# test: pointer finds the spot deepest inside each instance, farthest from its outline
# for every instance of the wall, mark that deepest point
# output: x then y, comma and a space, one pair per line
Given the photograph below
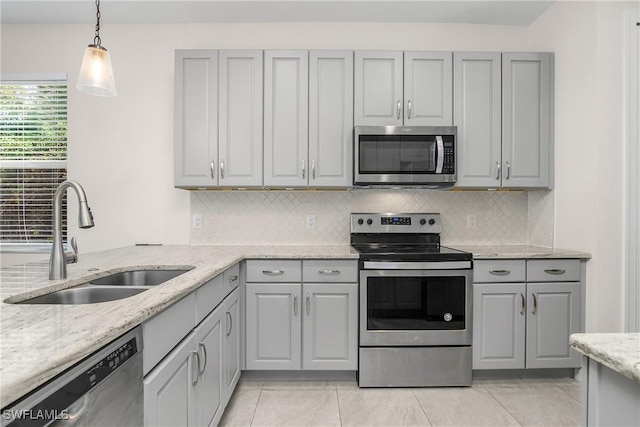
587, 38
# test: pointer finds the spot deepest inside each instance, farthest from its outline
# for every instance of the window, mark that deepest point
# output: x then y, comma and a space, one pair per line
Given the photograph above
33, 159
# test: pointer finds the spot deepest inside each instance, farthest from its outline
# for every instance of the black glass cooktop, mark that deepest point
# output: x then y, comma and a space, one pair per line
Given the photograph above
403, 252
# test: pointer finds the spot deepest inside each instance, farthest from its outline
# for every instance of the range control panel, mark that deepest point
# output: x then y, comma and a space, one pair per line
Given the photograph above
395, 223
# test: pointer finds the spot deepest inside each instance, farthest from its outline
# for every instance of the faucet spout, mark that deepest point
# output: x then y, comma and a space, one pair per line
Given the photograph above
57, 262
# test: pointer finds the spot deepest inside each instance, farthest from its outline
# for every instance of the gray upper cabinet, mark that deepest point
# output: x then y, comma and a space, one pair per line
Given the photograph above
378, 88
240, 118
286, 107
477, 114
527, 93
396, 88
196, 118
428, 89
503, 111
331, 118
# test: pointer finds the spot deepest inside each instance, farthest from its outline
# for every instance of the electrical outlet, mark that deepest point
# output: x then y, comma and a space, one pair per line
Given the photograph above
471, 221
311, 221
196, 221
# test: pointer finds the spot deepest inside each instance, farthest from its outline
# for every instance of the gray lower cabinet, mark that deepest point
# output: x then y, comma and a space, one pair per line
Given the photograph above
525, 325
503, 109
292, 325
232, 343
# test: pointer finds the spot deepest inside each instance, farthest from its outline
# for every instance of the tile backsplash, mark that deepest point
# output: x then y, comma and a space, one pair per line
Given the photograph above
280, 217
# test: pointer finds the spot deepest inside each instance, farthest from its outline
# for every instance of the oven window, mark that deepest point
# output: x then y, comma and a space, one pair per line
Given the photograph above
416, 303
397, 154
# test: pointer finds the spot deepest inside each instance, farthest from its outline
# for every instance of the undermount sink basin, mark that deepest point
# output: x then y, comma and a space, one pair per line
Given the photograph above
109, 288
138, 278
84, 295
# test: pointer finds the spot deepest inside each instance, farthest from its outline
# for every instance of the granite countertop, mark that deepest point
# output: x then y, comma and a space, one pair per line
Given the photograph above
519, 251
38, 341
620, 352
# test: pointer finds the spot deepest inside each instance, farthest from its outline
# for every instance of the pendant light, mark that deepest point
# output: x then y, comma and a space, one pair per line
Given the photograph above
96, 74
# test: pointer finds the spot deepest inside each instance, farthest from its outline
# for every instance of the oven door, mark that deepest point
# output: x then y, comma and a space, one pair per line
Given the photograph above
415, 307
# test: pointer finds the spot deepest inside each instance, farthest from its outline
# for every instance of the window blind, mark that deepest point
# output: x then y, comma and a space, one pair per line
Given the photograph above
33, 158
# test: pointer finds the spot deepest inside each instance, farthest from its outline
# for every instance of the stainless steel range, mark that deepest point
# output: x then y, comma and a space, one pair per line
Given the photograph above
415, 302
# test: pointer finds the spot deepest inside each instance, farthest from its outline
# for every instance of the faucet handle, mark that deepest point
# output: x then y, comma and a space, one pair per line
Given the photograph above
72, 258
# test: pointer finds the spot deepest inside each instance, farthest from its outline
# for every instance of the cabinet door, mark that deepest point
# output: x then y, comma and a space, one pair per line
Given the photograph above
428, 89
527, 93
499, 326
477, 90
330, 326
240, 141
231, 343
553, 315
273, 326
286, 124
168, 389
378, 88
331, 118
209, 388
196, 118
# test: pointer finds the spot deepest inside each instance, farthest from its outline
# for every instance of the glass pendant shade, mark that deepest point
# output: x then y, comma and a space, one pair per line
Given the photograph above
96, 74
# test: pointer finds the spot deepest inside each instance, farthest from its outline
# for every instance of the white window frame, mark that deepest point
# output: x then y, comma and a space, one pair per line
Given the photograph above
37, 247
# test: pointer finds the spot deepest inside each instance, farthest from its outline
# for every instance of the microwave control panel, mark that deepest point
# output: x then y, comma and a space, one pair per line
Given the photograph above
449, 156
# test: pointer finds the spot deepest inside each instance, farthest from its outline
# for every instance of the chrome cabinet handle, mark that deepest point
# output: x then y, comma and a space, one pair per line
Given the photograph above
508, 170
522, 306
329, 272
555, 270
273, 272
222, 169
204, 350
313, 169
399, 110
230, 323
197, 356
308, 304
500, 272
303, 169
498, 167
535, 304
409, 109
295, 304
213, 169
233, 278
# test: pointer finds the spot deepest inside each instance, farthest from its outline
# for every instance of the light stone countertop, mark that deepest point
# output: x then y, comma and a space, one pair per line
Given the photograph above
519, 251
39, 341
620, 352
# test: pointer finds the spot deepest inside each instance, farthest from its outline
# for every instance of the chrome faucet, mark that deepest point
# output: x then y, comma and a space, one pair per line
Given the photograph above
59, 259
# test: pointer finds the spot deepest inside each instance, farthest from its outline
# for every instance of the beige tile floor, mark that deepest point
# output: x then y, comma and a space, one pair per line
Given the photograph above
540, 402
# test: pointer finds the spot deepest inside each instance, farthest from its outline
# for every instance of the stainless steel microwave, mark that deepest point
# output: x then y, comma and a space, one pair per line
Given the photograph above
404, 156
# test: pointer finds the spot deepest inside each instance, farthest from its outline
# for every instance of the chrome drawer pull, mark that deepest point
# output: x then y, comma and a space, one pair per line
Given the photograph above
196, 366
272, 272
295, 304
233, 279
500, 272
522, 304
204, 350
308, 304
230, 323
329, 272
555, 270
535, 304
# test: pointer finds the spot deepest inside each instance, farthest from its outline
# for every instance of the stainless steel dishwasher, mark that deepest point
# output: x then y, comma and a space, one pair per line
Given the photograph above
104, 389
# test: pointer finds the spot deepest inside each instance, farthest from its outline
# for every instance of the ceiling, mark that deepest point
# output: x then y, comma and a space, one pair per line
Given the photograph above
506, 12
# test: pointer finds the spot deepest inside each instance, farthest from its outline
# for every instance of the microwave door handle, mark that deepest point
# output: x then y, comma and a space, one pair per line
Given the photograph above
439, 154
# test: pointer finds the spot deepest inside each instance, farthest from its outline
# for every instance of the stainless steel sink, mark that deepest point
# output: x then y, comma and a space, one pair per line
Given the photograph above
84, 294
138, 278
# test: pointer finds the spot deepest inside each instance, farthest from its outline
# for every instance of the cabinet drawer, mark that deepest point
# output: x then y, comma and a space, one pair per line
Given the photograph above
344, 271
553, 270
274, 271
231, 278
208, 296
164, 331
492, 271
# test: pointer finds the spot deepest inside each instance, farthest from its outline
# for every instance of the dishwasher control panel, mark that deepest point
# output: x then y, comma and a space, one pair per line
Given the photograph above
111, 362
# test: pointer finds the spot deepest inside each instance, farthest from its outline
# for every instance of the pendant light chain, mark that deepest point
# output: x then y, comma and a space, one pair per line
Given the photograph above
96, 39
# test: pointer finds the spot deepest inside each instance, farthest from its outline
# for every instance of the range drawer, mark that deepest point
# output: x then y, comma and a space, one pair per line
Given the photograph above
553, 270
495, 271
280, 271
344, 271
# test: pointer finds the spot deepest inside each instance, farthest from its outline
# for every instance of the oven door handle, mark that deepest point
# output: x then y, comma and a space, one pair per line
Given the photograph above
439, 154
425, 265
